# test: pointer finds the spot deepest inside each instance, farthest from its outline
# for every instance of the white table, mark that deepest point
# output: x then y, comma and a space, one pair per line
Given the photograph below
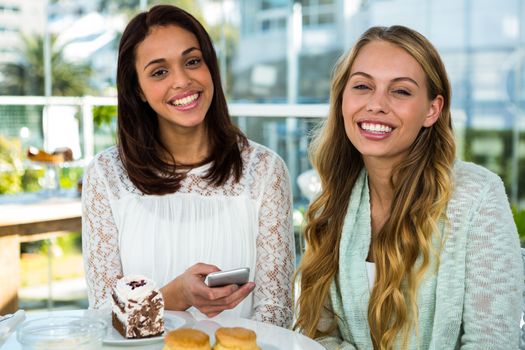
269, 337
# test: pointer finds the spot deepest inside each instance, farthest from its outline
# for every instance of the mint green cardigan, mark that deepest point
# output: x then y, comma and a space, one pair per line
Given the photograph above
472, 301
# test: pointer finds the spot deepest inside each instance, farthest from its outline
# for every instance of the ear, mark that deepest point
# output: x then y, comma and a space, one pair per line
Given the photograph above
434, 111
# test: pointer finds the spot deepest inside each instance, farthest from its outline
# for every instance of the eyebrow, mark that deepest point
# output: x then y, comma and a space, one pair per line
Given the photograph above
162, 60
366, 75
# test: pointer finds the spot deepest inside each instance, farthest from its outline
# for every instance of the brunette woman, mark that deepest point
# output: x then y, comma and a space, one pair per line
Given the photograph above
184, 193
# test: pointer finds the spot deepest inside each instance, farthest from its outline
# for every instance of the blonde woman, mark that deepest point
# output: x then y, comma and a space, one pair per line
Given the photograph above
408, 248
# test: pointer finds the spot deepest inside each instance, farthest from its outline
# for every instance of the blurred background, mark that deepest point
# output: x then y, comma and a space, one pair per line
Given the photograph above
57, 89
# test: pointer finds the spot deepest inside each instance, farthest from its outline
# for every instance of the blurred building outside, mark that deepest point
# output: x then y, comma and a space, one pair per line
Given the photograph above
18, 17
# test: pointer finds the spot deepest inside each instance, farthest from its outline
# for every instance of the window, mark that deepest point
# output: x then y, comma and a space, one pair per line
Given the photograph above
318, 12
269, 4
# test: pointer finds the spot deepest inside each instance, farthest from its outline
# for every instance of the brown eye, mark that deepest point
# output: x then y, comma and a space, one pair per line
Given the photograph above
402, 92
159, 73
194, 62
361, 87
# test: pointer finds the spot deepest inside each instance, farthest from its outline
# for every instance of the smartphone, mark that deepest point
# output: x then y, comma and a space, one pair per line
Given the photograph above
223, 278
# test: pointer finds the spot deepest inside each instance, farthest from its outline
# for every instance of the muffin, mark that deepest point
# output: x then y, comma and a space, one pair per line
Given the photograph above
186, 339
236, 338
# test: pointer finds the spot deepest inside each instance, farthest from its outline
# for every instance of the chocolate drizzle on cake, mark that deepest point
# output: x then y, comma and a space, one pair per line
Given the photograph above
117, 303
136, 284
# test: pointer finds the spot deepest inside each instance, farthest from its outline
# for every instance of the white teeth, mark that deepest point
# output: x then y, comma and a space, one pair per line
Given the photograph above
185, 100
378, 128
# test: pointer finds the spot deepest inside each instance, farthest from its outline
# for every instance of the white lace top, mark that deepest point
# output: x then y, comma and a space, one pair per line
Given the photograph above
248, 223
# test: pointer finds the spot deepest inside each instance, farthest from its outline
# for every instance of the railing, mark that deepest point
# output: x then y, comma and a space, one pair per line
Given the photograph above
293, 141
86, 104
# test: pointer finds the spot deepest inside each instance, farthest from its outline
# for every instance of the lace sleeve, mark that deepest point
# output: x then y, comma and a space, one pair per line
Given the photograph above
275, 249
99, 239
493, 276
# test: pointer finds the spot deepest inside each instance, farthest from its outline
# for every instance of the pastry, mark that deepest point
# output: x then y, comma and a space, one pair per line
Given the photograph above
236, 338
60, 155
38, 155
66, 153
186, 339
137, 308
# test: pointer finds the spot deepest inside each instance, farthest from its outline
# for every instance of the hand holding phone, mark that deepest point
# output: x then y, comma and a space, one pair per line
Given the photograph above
222, 278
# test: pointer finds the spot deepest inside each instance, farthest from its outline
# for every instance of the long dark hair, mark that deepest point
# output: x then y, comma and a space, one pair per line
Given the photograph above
138, 142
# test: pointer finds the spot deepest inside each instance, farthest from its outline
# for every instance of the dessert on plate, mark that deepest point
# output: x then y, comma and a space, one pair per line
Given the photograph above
187, 339
235, 338
60, 155
137, 307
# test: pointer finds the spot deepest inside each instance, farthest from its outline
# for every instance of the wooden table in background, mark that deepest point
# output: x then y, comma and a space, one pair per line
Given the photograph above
27, 217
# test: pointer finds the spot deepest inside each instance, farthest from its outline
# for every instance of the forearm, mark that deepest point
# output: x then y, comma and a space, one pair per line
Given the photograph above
99, 241
275, 251
273, 293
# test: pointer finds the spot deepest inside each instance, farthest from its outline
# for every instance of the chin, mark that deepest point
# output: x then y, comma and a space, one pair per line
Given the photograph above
375, 153
190, 125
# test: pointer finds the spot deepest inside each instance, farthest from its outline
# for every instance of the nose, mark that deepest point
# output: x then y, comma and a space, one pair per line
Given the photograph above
181, 79
377, 103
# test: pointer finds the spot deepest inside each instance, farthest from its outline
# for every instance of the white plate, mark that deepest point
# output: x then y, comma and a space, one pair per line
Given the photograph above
269, 337
171, 322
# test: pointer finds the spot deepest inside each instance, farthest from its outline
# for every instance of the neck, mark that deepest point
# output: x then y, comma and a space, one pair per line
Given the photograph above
187, 147
379, 175
381, 194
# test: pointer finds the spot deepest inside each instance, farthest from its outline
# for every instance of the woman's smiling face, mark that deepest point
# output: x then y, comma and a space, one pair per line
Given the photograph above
385, 102
173, 77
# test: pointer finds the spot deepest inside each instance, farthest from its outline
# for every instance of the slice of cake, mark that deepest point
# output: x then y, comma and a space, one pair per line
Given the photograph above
137, 308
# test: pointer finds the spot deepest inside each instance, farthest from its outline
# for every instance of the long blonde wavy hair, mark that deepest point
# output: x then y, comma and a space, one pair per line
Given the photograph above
422, 186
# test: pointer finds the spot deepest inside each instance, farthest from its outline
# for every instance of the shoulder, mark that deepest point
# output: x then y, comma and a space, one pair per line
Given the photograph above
263, 170
107, 167
470, 172
257, 155
108, 153
476, 190
106, 161
473, 180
